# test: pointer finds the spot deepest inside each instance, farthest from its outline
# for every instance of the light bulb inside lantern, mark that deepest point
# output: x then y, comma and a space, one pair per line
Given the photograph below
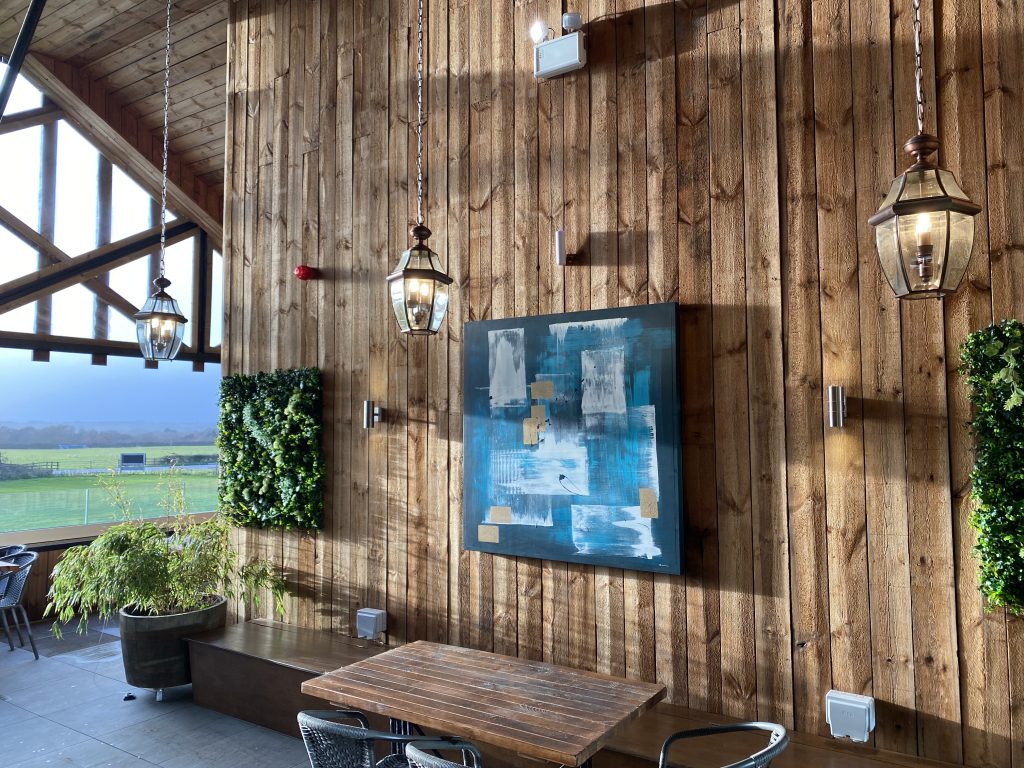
923, 229
538, 32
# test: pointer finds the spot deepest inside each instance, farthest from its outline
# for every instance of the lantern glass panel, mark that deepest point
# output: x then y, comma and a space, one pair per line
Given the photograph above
888, 244
419, 302
921, 184
894, 193
950, 184
398, 302
923, 248
961, 242
440, 306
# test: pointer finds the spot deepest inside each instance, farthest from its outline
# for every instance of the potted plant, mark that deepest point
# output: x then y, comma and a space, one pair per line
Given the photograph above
165, 585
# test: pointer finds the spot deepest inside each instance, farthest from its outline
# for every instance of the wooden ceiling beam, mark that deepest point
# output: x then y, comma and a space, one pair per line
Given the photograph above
30, 118
117, 149
48, 343
30, 237
25, 290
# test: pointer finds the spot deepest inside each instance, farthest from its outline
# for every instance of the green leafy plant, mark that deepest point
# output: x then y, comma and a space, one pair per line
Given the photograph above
991, 361
138, 564
272, 462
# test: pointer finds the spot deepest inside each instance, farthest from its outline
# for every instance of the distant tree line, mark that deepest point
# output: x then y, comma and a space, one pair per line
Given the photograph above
53, 436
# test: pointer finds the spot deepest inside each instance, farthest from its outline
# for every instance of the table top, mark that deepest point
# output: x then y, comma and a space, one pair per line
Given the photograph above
541, 710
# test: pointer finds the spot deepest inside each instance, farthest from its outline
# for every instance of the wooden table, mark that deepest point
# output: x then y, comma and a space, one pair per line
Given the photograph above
540, 710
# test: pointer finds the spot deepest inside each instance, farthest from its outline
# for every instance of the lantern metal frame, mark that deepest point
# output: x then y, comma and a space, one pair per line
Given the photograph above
410, 274
932, 262
160, 309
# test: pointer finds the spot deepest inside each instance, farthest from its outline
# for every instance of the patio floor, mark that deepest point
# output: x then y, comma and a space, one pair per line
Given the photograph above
68, 709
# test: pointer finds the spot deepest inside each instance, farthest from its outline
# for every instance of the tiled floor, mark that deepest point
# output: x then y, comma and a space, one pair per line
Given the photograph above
68, 709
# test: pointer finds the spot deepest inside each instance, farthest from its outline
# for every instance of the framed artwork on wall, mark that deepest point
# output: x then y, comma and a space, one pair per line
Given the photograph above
571, 438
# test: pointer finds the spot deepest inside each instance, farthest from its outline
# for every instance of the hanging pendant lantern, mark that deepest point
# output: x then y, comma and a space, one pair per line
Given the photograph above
159, 325
419, 286
924, 228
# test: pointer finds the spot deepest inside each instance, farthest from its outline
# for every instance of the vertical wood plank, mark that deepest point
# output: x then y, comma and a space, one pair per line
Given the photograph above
805, 470
732, 439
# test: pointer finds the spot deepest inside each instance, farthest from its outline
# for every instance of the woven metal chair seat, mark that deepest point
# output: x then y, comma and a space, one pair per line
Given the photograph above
420, 758
778, 740
334, 744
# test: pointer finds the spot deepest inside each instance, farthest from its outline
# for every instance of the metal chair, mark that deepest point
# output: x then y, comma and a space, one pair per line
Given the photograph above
10, 600
420, 759
332, 744
778, 740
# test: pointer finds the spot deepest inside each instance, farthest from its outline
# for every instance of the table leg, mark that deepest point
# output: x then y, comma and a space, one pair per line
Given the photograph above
399, 728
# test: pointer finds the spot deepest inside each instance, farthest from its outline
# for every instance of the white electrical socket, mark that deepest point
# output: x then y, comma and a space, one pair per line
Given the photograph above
849, 715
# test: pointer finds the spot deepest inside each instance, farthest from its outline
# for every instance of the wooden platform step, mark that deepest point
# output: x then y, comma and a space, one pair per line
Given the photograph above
639, 744
254, 670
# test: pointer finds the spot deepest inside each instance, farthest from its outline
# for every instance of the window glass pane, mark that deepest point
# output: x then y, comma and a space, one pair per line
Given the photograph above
131, 280
18, 259
77, 170
217, 294
178, 269
64, 444
19, 194
131, 210
72, 312
25, 96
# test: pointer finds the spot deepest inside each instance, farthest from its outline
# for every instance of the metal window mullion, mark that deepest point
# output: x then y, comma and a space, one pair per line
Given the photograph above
104, 228
47, 226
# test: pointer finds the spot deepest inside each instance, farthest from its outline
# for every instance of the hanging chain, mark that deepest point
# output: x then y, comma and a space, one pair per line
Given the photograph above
419, 115
167, 109
918, 70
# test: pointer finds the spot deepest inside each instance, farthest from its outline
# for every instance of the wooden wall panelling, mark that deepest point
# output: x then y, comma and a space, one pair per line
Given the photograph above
392, 473
764, 364
631, 230
1004, 181
603, 255
437, 413
660, 158
529, 222
892, 650
805, 470
548, 187
840, 346
981, 640
704, 644
479, 620
662, 244
576, 132
732, 438
459, 225
499, 72
932, 591
341, 86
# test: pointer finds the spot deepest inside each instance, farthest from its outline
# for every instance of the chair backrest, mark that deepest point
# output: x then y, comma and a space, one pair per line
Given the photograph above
331, 744
420, 759
778, 740
16, 581
11, 549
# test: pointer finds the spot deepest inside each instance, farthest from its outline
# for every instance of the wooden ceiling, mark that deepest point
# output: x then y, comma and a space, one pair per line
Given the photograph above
119, 45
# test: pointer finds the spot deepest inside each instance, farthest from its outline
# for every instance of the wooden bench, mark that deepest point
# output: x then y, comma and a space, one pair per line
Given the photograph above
254, 670
639, 744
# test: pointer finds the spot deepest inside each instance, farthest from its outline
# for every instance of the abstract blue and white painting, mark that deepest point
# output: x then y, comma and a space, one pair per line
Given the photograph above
572, 438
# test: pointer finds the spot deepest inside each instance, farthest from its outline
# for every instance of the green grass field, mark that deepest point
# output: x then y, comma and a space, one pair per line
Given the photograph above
97, 458
53, 502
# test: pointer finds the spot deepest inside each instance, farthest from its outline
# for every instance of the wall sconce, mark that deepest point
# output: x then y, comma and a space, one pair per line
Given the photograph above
372, 414
562, 259
554, 56
836, 406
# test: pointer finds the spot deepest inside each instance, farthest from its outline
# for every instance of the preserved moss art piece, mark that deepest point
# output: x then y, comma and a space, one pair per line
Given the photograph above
271, 458
991, 359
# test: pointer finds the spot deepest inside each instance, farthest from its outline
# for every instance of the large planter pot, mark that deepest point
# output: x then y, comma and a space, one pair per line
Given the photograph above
153, 647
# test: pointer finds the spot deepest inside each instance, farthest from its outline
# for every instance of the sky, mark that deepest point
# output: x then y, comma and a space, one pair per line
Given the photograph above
69, 389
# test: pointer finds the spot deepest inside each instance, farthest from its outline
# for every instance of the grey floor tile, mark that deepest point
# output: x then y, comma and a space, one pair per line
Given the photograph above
11, 714
75, 688
89, 754
36, 737
112, 713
